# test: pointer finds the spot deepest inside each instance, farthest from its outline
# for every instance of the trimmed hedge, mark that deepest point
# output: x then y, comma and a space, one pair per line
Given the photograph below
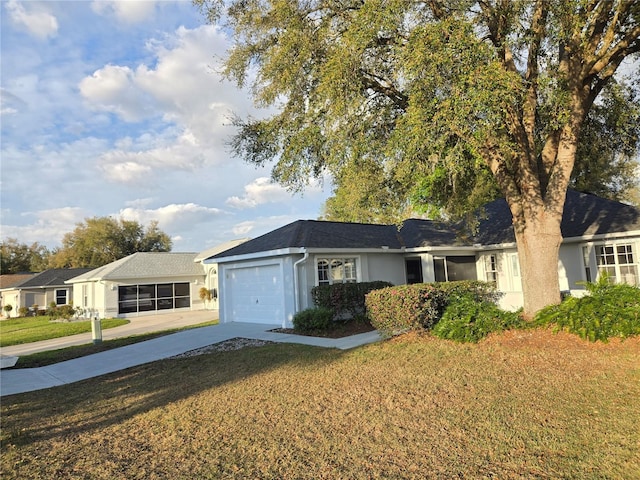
607, 311
395, 310
347, 300
313, 320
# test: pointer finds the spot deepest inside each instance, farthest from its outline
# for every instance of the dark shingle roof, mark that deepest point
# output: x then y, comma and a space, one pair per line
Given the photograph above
320, 234
52, 277
428, 233
584, 215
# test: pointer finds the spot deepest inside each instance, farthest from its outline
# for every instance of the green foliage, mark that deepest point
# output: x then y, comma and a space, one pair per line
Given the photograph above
442, 102
101, 240
313, 320
606, 159
419, 306
17, 331
398, 309
466, 319
606, 311
18, 257
7, 309
346, 300
64, 312
478, 290
23, 311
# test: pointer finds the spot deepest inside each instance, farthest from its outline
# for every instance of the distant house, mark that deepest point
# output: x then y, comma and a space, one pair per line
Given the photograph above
269, 279
147, 283
40, 289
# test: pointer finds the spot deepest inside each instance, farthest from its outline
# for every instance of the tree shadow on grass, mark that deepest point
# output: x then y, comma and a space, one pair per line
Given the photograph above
111, 399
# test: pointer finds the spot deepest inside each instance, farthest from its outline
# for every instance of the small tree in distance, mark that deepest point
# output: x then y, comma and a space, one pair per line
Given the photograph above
101, 240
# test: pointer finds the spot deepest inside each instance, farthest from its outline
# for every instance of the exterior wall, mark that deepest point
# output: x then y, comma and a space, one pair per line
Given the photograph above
102, 296
211, 283
27, 297
11, 297
388, 267
370, 267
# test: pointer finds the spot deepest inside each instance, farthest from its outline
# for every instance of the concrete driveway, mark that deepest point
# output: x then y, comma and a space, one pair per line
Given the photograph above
136, 326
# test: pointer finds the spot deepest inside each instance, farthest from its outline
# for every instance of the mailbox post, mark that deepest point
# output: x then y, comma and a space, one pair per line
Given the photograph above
96, 330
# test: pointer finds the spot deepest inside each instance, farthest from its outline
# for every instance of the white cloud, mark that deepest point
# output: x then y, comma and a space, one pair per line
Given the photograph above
262, 225
261, 190
243, 228
49, 226
126, 11
39, 23
114, 89
174, 217
133, 163
182, 91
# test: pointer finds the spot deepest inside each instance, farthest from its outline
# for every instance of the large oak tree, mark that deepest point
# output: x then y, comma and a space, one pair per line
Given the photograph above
437, 100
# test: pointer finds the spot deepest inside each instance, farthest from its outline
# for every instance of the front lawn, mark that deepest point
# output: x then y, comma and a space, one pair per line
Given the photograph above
49, 357
522, 404
16, 331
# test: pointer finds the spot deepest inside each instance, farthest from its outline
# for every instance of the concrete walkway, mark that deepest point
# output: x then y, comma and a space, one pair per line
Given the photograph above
30, 379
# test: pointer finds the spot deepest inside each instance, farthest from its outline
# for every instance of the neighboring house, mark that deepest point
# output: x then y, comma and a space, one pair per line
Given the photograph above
41, 289
147, 283
269, 279
142, 283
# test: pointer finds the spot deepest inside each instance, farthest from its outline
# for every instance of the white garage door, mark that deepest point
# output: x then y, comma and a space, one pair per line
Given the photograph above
256, 294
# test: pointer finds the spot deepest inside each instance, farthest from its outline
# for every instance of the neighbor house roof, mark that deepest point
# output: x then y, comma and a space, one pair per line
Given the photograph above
584, 215
145, 265
54, 277
9, 280
219, 249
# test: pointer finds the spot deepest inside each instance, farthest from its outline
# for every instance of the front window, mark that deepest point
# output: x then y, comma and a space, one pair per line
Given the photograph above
586, 261
61, 297
617, 262
491, 269
336, 270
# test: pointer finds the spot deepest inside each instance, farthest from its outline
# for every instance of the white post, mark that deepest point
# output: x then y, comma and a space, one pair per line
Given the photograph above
96, 330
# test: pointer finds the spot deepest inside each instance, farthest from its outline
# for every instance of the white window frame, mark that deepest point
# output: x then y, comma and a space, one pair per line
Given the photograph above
514, 264
608, 257
350, 274
491, 270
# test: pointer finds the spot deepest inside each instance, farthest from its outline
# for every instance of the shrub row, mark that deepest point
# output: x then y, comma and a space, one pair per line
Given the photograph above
467, 319
347, 300
607, 311
341, 301
420, 306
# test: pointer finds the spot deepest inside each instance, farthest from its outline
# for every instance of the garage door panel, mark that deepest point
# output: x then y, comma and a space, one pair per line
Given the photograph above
256, 294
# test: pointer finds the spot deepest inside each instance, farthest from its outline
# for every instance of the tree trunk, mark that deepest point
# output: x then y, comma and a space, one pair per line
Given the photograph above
538, 249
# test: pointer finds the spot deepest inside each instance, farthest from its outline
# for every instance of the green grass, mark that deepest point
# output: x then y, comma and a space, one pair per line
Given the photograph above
50, 357
17, 331
525, 404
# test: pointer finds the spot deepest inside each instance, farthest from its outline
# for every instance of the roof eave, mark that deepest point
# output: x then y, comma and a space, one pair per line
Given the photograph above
256, 255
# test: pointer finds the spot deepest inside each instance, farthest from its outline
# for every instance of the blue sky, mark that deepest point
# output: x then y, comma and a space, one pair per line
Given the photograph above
118, 109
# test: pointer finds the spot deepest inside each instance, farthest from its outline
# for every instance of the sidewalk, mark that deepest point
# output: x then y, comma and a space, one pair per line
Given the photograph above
30, 379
